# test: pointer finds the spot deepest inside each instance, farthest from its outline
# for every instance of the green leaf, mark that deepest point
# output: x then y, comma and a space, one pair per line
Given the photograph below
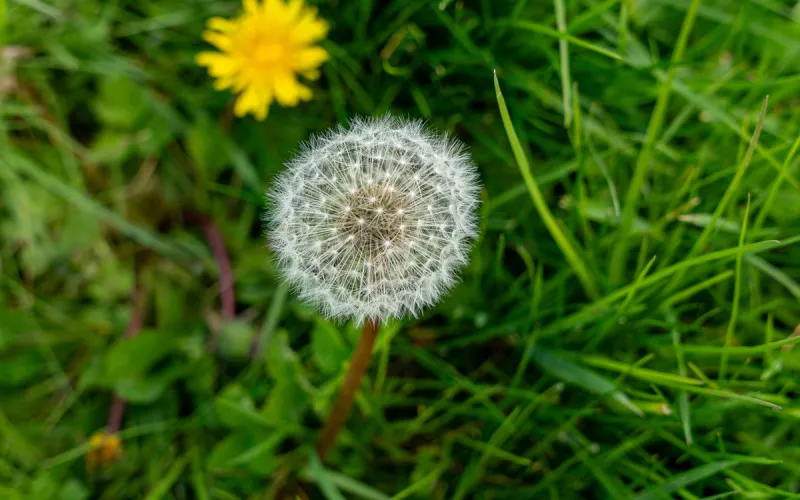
259, 457
684, 479
289, 398
238, 449
150, 387
330, 350
570, 372
282, 361
287, 402
233, 406
141, 390
225, 450
135, 356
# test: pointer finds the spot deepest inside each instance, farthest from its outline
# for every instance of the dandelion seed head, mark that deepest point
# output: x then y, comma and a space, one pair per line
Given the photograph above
390, 219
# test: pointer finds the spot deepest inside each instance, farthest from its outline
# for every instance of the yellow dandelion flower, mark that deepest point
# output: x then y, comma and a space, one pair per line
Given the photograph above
262, 53
104, 449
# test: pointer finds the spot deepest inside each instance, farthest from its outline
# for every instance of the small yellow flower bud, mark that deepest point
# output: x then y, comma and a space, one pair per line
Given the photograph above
104, 449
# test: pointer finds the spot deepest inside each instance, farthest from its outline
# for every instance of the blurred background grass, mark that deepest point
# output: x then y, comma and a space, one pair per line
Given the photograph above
523, 383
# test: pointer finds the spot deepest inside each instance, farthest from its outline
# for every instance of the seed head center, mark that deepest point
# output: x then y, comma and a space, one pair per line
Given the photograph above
375, 220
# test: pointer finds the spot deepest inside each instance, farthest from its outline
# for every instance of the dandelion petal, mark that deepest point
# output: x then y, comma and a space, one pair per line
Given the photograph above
310, 58
286, 91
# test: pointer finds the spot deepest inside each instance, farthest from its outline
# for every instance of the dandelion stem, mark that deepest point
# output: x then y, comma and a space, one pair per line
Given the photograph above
226, 289
139, 299
115, 414
227, 294
341, 407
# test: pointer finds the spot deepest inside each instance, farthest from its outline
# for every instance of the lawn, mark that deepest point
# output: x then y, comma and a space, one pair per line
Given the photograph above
623, 329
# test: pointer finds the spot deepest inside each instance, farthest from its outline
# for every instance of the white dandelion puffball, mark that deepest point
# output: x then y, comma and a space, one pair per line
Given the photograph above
374, 221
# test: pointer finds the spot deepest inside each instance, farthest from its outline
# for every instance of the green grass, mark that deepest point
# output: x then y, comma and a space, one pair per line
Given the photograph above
623, 327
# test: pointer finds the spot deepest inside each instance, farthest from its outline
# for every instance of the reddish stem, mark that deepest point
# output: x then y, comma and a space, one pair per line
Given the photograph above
139, 300
115, 414
343, 404
217, 244
226, 290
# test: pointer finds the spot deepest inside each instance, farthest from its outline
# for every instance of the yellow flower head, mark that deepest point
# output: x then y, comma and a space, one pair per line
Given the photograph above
263, 51
104, 449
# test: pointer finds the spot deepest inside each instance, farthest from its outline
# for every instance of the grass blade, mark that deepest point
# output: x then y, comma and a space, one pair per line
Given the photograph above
570, 372
563, 51
737, 294
635, 287
695, 289
320, 476
162, 487
702, 240
684, 479
3, 10
546, 30
740, 350
620, 252
775, 273
571, 254
199, 482
773, 190
719, 393
475, 469
654, 376
335, 481
683, 397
